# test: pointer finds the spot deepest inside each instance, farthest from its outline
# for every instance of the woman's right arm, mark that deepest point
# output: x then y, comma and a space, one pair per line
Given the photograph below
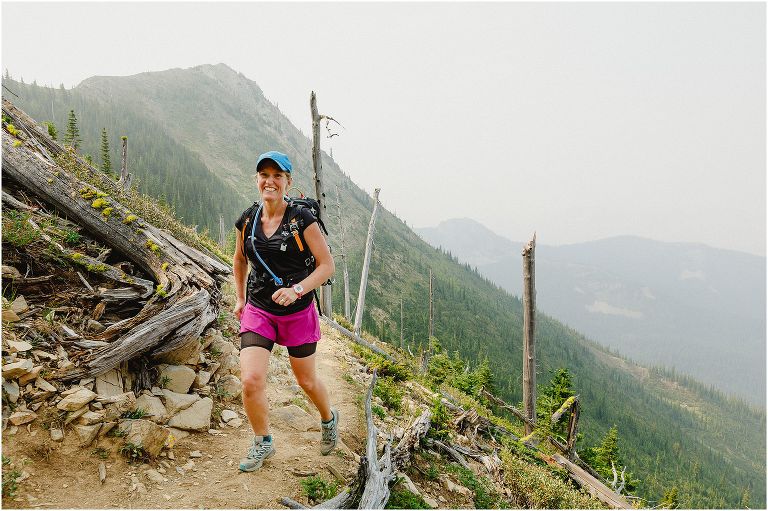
240, 269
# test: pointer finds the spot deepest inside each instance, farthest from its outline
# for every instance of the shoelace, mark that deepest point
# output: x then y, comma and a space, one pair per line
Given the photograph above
256, 452
329, 432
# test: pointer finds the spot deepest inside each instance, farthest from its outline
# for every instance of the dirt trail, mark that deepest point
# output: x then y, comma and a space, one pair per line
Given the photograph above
61, 475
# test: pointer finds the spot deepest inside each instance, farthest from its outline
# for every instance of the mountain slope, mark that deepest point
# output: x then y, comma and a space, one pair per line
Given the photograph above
222, 118
688, 306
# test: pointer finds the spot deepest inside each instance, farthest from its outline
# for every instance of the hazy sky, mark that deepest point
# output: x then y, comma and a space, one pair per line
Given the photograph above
579, 121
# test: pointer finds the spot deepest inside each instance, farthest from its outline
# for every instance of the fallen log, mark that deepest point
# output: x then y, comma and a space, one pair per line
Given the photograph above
595, 487
501, 404
186, 282
380, 472
401, 454
357, 338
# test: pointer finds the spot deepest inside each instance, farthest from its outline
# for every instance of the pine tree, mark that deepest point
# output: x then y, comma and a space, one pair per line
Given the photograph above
106, 164
52, 131
72, 137
670, 499
609, 450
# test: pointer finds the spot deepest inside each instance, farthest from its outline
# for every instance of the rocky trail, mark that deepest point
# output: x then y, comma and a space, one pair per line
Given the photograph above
200, 470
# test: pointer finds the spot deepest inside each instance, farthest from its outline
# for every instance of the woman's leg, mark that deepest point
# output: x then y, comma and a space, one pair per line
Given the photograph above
306, 376
254, 362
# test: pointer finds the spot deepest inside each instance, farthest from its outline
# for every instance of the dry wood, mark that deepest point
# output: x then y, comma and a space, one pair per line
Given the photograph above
360, 306
380, 472
292, 504
317, 166
450, 451
359, 340
189, 280
410, 441
343, 255
500, 403
573, 425
529, 331
125, 177
595, 487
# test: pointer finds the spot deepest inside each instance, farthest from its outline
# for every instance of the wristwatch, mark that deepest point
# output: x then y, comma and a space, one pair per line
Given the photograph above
298, 289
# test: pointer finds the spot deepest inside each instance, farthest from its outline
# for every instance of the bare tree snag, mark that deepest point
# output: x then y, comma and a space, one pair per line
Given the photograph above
187, 291
529, 331
343, 258
125, 177
431, 308
360, 306
381, 472
401, 454
317, 166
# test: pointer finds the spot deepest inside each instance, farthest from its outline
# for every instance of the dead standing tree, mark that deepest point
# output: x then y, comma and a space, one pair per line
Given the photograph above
125, 177
188, 281
344, 268
317, 165
529, 330
360, 306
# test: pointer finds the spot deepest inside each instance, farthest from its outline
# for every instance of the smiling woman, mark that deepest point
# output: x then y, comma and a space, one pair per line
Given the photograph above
289, 258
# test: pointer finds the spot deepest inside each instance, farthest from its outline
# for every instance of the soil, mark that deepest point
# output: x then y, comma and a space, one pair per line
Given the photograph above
63, 475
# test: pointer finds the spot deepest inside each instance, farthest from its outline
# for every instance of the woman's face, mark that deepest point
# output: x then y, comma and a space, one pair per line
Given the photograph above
272, 182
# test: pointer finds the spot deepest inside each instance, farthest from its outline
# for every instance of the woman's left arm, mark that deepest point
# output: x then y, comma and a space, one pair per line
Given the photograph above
324, 266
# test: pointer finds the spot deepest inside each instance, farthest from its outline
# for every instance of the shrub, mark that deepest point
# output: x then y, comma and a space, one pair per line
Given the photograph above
400, 498
10, 478
389, 392
134, 453
318, 489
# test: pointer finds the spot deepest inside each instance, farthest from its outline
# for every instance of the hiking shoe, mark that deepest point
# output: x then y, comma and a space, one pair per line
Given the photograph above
330, 433
259, 451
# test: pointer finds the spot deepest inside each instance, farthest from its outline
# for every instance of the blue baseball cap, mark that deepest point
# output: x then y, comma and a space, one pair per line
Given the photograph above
280, 159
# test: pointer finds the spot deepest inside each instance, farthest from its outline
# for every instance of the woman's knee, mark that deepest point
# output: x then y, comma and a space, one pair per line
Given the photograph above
308, 382
254, 383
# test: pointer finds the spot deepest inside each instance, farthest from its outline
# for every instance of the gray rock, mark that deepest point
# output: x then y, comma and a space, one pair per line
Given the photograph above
16, 369
230, 364
87, 434
178, 378
202, 379
31, 376
19, 305
175, 402
89, 418
117, 405
18, 346
195, 418
57, 435
431, 502
153, 406
44, 385
211, 336
76, 400
23, 417
157, 391
154, 476
195, 454
71, 416
144, 433
106, 428
109, 383
228, 415
11, 389
235, 423
229, 387
296, 417
9, 272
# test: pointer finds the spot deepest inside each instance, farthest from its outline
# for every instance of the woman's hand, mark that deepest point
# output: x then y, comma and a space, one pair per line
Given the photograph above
284, 296
239, 306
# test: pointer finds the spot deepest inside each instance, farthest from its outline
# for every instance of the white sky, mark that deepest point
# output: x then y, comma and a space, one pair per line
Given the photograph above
579, 121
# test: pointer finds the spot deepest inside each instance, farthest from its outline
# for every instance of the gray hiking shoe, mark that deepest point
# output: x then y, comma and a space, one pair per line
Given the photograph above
330, 433
260, 450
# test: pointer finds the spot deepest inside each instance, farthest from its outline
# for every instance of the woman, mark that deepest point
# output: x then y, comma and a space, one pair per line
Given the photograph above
279, 240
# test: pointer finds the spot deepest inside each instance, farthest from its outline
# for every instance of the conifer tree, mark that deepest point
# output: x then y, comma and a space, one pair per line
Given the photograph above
52, 131
72, 136
106, 164
670, 499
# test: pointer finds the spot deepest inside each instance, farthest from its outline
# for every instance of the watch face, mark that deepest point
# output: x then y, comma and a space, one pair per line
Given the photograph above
298, 288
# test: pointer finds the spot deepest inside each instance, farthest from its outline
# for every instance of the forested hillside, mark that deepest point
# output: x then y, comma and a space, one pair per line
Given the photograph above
672, 434
696, 308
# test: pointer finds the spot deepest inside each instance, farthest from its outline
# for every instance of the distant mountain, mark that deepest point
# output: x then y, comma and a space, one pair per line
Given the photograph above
217, 121
698, 309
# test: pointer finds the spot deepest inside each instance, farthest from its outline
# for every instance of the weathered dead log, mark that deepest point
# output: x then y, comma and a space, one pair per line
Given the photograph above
328, 321
187, 292
381, 472
360, 305
592, 485
292, 504
401, 454
450, 451
567, 406
500, 403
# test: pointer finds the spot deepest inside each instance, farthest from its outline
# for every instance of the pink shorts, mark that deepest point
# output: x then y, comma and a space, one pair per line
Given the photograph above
291, 330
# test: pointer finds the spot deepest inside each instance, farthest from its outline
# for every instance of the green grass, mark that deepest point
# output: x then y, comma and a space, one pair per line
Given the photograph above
10, 478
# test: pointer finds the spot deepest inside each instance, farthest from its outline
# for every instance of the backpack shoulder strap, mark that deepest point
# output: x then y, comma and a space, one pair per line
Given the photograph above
250, 212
